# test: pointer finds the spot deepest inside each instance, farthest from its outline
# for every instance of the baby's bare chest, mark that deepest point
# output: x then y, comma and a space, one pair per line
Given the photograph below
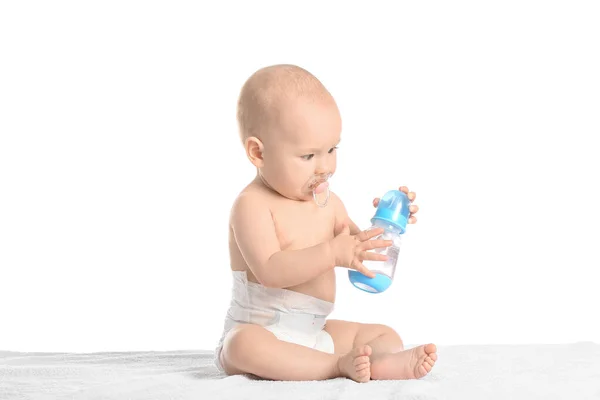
298, 228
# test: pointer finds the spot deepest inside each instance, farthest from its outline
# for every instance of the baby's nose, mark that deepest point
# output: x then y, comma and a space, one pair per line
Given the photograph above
321, 169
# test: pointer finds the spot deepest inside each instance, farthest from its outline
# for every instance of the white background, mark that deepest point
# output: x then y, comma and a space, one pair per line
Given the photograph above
119, 161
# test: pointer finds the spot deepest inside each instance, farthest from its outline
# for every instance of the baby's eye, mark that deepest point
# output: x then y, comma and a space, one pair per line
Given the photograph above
332, 149
308, 157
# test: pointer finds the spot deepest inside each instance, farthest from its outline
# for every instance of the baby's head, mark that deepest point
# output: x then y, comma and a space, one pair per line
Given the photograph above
290, 126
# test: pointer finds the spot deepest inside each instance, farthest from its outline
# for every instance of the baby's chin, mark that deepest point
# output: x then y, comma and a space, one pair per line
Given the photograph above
300, 196
320, 199
303, 195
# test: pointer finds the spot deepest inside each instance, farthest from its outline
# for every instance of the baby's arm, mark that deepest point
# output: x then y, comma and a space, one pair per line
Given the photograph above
255, 235
341, 216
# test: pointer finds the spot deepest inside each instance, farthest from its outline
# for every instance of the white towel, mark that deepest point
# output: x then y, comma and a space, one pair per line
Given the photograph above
569, 371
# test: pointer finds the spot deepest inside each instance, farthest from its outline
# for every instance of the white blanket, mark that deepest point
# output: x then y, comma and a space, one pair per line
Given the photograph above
462, 372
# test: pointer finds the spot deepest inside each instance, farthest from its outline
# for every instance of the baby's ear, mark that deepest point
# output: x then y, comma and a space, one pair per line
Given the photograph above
254, 151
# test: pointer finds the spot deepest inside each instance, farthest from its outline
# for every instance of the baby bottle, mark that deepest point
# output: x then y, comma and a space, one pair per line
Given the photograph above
391, 215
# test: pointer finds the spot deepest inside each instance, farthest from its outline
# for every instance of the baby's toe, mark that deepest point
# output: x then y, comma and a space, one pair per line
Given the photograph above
361, 360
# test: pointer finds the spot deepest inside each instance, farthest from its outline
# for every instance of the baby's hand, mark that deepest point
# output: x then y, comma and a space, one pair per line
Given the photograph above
351, 250
413, 209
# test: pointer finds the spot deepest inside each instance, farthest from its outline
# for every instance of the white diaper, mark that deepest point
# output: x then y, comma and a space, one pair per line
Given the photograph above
291, 316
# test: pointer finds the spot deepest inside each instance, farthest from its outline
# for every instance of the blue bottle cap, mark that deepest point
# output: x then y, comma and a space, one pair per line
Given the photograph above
393, 209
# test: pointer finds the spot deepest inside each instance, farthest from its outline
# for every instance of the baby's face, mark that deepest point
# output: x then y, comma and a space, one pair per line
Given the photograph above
301, 150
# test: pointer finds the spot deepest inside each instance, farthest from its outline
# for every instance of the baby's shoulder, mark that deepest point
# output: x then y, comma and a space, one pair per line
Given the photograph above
251, 199
336, 202
334, 197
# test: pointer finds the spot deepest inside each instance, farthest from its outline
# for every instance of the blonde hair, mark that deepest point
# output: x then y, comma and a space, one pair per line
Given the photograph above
267, 89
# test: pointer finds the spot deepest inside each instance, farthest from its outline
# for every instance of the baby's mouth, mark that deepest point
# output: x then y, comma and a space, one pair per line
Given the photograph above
318, 186
320, 191
321, 187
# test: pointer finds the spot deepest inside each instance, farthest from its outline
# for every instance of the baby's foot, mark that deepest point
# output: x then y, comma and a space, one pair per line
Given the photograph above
408, 364
356, 364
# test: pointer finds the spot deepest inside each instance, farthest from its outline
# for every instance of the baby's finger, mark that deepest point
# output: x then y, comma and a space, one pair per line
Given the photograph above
375, 201
362, 269
368, 234
375, 244
413, 209
369, 255
412, 220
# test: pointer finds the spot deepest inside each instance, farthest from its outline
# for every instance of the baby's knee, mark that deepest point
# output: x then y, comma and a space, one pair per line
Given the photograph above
240, 344
386, 330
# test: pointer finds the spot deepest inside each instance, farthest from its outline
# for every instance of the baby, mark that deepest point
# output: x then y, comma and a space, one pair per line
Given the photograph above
287, 233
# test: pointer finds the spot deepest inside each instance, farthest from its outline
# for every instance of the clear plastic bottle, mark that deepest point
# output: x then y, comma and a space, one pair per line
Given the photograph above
391, 215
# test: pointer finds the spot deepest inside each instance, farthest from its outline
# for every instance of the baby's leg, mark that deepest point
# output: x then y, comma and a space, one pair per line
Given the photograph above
381, 338
389, 359
251, 349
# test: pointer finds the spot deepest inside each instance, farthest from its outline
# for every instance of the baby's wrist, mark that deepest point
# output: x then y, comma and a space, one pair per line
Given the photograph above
329, 250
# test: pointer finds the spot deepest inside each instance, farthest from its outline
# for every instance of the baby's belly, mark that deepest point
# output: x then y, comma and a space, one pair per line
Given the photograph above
322, 287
